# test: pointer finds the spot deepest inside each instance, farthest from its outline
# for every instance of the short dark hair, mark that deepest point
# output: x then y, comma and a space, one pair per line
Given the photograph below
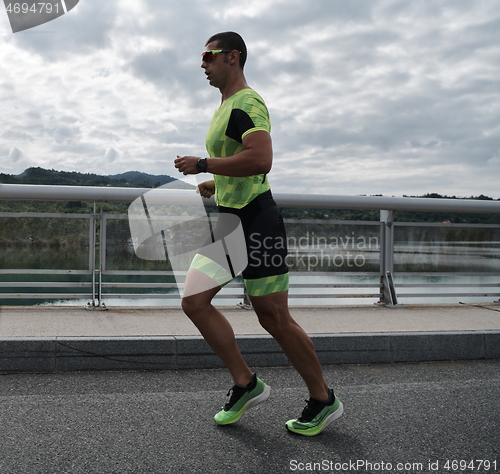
231, 40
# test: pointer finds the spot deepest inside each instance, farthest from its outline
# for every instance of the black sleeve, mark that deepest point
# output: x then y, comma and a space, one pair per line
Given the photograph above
239, 123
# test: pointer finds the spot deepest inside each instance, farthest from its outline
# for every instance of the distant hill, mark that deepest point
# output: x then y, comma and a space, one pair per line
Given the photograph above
73, 178
137, 179
143, 179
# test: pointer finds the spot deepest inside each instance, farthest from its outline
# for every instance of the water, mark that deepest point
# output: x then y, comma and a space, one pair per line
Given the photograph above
231, 296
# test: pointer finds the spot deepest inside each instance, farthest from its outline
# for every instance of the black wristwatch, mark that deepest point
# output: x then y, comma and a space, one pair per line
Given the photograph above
201, 165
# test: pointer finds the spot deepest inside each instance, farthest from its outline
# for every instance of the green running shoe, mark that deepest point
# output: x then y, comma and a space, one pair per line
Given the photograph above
242, 398
316, 417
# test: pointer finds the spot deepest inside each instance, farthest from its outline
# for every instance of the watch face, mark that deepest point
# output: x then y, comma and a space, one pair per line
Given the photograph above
201, 165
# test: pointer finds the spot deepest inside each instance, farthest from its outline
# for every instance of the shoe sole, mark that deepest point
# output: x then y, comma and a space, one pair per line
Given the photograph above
331, 418
251, 403
260, 398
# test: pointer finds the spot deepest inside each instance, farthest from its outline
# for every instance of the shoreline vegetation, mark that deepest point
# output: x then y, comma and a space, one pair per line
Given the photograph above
144, 180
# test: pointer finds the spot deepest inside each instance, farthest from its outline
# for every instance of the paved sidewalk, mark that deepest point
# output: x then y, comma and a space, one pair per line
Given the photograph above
64, 338
68, 321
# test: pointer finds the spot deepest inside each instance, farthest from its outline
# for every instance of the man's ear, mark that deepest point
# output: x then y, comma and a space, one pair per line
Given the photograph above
234, 56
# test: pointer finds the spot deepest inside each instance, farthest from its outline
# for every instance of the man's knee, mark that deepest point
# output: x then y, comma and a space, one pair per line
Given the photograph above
191, 305
274, 321
266, 321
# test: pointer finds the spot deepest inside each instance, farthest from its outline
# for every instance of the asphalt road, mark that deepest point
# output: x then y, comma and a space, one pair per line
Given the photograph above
406, 418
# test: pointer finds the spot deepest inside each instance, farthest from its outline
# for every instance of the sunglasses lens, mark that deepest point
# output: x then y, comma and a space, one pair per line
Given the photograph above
207, 56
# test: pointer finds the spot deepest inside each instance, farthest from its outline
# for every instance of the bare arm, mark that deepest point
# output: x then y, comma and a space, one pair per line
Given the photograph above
256, 158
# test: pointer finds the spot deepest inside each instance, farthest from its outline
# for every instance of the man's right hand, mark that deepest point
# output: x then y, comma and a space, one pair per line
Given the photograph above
206, 189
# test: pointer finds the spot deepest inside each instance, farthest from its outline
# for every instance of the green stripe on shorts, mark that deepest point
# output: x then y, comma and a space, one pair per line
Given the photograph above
267, 285
211, 268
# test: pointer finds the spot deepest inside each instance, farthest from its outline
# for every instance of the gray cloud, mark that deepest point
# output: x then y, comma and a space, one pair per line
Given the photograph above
15, 154
366, 96
85, 29
111, 155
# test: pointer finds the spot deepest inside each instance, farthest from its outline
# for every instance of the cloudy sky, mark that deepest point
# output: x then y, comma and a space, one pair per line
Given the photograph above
392, 97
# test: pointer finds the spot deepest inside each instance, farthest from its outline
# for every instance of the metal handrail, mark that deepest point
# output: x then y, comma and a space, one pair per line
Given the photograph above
185, 196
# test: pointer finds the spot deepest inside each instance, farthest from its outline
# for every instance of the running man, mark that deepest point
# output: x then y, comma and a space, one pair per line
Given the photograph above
240, 157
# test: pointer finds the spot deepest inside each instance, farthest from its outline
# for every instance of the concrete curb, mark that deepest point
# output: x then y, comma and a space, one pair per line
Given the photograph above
62, 354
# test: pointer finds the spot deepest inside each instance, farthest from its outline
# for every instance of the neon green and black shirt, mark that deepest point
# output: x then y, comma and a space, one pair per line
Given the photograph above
243, 113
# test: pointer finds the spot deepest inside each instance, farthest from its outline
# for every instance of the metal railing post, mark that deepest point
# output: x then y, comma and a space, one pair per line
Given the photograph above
97, 303
102, 254
92, 245
388, 296
246, 303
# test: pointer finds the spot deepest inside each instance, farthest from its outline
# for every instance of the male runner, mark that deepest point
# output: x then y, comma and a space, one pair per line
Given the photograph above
240, 156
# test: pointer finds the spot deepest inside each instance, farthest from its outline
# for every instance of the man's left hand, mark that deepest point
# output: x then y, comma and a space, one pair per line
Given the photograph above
186, 164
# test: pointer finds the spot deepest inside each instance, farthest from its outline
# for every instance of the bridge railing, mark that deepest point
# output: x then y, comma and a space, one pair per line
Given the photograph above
53, 256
